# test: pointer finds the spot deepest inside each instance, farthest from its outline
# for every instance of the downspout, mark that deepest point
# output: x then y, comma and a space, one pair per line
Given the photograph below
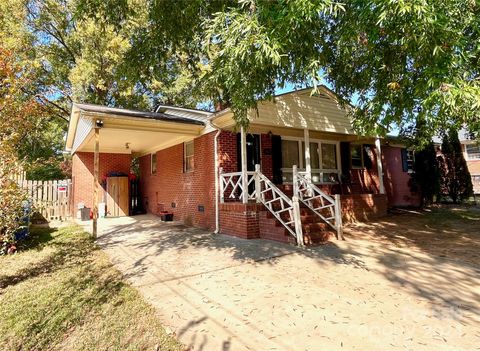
217, 195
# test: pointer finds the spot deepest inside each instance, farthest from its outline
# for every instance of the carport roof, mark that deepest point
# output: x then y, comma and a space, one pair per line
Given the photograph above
160, 116
128, 131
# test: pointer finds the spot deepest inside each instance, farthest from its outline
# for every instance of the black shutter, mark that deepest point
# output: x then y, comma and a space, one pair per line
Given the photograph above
367, 161
239, 153
345, 158
404, 160
277, 159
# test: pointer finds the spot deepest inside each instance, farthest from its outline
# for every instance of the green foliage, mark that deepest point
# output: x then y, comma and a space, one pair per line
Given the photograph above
409, 64
60, 292
426, 175
455, 178
19, 113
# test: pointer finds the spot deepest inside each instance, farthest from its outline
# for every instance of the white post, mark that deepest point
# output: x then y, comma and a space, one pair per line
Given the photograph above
338, 217
258, 190
379, 165
295, 180
298, 221
243, 147
221, 185
296, 208
308, 166
95, 181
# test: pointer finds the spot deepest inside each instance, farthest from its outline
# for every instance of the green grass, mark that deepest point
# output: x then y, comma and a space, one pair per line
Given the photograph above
61, 293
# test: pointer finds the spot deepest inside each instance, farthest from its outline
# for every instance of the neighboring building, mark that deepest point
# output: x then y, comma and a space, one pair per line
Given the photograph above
471, 152
196, 164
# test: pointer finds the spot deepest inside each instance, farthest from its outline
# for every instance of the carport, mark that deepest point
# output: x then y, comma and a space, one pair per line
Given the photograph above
103, 140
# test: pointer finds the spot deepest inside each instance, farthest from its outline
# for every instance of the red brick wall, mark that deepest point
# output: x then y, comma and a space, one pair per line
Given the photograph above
240, 220
82, 173
187, 191
227, 151
397, 182
363, 207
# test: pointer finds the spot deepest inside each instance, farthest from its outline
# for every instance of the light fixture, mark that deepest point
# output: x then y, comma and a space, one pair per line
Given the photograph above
99, 123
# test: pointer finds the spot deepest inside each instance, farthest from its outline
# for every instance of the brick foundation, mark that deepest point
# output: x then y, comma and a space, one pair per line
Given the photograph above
363, 207
240, 220
253, 221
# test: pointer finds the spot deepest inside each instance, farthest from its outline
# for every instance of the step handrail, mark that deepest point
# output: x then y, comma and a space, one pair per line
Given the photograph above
291, 206
307, 192
232, 186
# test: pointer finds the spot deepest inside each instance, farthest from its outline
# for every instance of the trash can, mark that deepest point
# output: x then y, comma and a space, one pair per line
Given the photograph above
85, 213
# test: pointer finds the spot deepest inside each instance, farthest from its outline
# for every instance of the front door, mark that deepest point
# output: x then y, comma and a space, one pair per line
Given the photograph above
253, 151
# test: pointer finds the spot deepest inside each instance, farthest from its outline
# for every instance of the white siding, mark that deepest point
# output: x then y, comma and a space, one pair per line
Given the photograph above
84, 126
300, 110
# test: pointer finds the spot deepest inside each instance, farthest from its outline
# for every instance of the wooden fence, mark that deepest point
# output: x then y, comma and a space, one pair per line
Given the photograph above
51, 199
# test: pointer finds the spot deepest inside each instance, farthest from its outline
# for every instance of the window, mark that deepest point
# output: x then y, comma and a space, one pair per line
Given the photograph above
323, 159
473, 151
356, 155
153, 163
329, 156
410, 161
290, 153
188, 157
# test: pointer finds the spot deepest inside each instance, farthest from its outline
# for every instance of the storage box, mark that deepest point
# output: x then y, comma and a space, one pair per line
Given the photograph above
166, 216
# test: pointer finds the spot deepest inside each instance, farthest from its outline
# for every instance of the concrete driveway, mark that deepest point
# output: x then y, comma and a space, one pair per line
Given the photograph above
216, 292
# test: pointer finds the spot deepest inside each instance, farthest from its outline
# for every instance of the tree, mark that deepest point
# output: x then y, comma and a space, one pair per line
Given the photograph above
401, 63
19, 113
455, 177
426, 175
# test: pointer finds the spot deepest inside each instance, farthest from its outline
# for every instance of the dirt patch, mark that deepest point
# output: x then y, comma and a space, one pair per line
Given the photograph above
450, 232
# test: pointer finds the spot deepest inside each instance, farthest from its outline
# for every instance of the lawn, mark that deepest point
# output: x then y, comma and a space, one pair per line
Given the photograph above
62, 293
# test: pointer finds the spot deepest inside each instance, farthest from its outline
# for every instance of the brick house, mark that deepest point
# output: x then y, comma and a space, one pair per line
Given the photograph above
471, 152
295, 175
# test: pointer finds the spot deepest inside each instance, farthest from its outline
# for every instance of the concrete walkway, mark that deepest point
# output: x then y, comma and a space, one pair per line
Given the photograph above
221, 293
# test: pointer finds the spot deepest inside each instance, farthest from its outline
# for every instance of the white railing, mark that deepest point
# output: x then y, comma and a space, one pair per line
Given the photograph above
327, 208
232, 186
284, 209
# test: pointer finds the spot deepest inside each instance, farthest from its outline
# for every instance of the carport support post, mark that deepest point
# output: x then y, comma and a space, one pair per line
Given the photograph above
243, 147
379, 165
95, 181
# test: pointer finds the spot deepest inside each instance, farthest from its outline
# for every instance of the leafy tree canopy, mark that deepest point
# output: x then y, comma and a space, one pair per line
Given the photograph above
408, 64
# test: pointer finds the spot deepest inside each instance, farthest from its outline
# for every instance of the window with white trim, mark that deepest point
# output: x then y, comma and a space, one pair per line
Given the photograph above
188, 152
153, 163
473, 151
323, 159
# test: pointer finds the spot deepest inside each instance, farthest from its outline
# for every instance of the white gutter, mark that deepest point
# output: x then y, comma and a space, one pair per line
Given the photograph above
217, 195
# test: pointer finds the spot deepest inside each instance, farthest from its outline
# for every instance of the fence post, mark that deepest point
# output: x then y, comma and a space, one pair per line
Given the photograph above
338, 217
258, 190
